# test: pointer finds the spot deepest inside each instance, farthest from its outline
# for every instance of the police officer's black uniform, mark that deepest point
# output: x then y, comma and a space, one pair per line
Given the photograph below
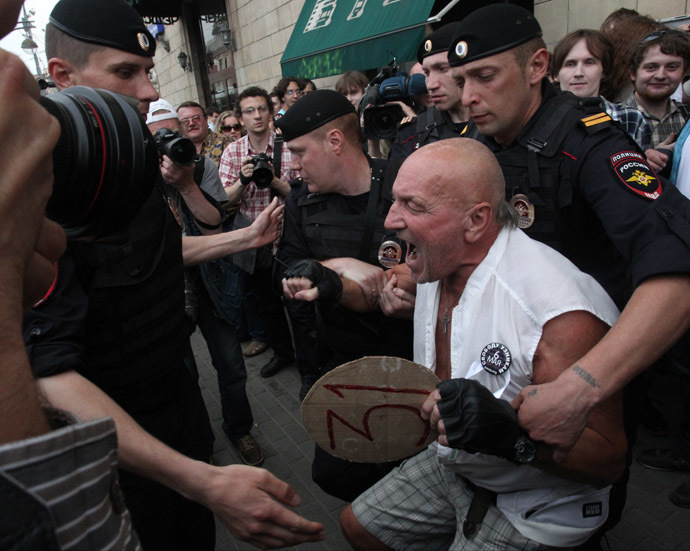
428, 127
116, 316
595, 198
321, 227
335, 226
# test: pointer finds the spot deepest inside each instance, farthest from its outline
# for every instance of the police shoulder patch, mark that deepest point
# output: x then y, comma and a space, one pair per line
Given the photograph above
633, 170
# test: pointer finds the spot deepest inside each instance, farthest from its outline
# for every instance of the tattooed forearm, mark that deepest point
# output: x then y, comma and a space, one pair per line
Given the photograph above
586, 376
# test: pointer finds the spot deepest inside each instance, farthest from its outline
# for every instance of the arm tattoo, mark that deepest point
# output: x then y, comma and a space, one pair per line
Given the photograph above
586, 376
532, 392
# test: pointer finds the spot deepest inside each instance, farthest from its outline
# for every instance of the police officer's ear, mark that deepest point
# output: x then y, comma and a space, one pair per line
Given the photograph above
62, 72
538, 66
478, 221
336, 140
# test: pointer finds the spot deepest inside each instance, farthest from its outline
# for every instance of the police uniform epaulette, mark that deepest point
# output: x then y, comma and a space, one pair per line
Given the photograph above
596, 122
296, 182
406, 121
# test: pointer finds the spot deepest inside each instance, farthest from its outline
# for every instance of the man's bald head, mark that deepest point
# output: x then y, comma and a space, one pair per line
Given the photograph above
463, 171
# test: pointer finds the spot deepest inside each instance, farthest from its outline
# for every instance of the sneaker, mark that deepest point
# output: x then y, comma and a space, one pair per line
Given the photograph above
255, 348
250, 451
681, 495
307, 383
663, 460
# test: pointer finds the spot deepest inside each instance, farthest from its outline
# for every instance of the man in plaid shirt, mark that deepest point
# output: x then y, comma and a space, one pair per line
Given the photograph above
236, 168
657, 66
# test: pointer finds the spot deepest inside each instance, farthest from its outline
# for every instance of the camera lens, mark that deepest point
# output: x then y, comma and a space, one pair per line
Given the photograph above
105, 163
381, 121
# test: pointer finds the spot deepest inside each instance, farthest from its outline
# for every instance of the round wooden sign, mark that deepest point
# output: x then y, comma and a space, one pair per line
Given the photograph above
368, 410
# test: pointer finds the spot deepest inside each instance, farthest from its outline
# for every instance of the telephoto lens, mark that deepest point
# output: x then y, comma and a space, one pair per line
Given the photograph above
105, 163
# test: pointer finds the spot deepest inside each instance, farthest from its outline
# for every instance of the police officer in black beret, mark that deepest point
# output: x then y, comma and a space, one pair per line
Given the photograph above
333, 252
582, 186
446, 118
111, 338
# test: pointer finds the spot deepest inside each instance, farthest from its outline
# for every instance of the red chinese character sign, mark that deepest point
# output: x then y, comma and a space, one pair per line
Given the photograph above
368, 410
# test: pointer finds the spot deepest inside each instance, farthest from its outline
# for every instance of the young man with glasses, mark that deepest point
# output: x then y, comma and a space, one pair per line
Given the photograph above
289, 91
236, 173
194, 123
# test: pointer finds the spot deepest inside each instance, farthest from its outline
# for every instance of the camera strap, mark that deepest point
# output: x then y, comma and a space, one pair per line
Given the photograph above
277, 155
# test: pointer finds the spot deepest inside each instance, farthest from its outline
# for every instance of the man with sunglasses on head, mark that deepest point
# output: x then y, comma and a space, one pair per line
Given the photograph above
657, 65
237, 174
194, 123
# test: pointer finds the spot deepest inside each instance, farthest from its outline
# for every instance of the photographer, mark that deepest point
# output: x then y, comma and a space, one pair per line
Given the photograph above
111, 337
254, 170
208, 296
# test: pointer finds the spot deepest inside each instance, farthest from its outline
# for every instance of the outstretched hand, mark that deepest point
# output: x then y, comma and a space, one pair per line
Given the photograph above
250, 502
268, 225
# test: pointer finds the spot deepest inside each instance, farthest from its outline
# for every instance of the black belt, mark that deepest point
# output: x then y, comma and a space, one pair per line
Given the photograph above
481, 501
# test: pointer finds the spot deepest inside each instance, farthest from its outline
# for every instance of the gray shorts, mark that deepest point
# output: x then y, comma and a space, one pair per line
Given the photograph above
422, 505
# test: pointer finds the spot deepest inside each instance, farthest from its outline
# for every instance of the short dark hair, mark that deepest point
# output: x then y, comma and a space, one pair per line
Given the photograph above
524, 51
352, 80
212, 109
597, 44
59, 44
348, 124
670, 42
192, 104
255, 92
283, 84
303, 82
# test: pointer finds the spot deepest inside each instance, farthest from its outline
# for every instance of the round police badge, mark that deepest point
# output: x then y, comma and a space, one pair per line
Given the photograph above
427, 46
495, 358
461, 49
524, 209
390, 253
143, 41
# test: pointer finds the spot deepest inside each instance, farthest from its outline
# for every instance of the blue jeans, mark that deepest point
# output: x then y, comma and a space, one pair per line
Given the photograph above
223, 344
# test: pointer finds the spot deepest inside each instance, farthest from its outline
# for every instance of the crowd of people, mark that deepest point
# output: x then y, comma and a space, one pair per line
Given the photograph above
524, 234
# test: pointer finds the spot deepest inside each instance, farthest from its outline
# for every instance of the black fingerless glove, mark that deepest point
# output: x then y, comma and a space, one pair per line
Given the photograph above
324, 279
478, 422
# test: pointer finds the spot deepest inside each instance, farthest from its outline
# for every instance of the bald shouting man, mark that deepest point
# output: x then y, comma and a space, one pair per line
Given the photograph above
495, 312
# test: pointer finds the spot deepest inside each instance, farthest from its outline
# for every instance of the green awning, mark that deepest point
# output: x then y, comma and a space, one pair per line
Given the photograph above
334, 36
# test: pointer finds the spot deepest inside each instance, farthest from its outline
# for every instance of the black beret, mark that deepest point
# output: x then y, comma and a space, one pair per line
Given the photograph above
438, 41
491, 30
311, 111
112, 23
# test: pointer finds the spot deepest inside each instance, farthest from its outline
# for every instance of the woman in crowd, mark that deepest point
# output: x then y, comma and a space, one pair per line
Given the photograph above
229, 125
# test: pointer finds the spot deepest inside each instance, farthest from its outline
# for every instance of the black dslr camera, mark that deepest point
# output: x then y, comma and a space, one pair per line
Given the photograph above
105, 163
262, 174
179, 149
381, 120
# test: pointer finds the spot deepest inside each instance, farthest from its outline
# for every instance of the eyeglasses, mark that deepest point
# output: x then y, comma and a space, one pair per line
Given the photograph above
295, 92
664, 32
250, 110
228, 127
195, 119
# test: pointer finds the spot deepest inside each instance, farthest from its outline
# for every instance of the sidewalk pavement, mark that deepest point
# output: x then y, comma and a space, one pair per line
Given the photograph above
650, 521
